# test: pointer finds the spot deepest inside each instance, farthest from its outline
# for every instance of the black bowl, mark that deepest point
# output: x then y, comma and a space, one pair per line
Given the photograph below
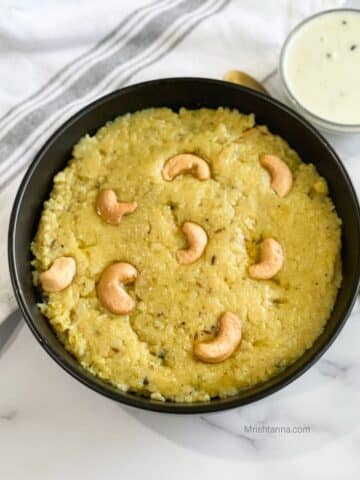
191, 93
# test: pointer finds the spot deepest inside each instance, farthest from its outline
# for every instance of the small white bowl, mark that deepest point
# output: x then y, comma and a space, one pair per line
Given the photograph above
323, 123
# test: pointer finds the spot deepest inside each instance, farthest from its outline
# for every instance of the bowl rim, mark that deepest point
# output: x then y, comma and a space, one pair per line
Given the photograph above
322, 122
133, 399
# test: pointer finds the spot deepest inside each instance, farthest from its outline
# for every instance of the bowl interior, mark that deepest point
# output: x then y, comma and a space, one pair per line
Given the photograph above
175, 93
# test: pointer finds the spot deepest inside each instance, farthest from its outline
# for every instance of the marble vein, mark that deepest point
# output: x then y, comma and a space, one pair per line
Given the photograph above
8, 416
248, 440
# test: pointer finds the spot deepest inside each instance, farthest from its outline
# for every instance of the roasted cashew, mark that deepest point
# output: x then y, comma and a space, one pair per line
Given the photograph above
110, 288
197, 240
59, 275
226, 342
186, 162
110, 210
272, 260
281, 176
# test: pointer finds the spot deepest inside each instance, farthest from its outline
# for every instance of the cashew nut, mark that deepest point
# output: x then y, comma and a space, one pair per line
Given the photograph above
110, 288
226, 342
271, 260
59, 275
110, 210
280, 174
197, 240
186, 162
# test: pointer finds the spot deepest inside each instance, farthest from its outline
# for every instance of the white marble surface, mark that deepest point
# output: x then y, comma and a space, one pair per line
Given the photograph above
52, 427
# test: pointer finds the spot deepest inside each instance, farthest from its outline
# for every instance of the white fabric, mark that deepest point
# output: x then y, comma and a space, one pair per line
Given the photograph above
37, 39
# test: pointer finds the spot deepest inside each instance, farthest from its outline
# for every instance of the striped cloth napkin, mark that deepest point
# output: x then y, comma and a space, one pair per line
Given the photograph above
55, 57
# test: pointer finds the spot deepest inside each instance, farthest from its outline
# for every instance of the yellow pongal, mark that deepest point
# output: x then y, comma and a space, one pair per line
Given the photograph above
150, 350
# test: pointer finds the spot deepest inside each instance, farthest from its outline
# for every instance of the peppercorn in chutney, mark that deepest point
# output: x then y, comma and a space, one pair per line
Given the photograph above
207, 254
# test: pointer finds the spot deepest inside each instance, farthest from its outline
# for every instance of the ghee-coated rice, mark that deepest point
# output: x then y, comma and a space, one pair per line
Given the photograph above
150, 350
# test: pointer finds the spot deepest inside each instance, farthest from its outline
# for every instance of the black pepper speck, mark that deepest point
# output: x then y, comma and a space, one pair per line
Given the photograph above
161, 354
353, 47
